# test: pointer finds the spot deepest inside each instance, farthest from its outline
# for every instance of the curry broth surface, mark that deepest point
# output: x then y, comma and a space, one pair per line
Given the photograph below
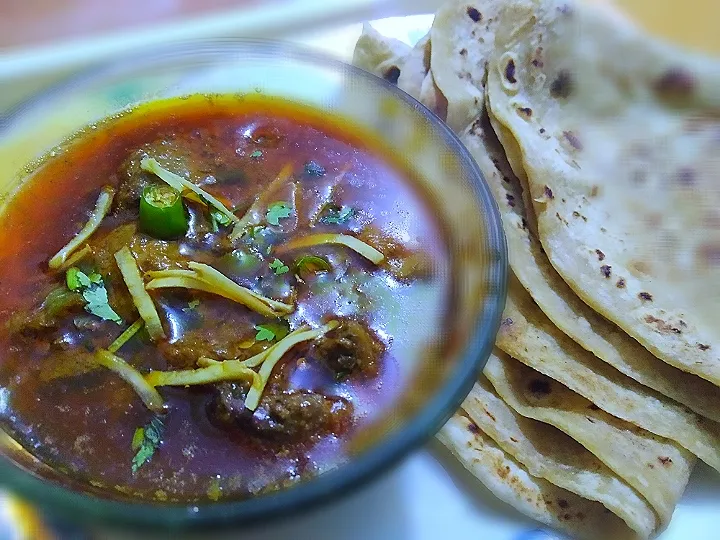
84, 424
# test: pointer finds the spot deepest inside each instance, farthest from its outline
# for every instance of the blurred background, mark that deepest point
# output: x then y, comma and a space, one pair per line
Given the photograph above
42, 41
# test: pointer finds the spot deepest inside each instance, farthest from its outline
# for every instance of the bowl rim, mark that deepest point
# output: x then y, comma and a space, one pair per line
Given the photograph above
62, 501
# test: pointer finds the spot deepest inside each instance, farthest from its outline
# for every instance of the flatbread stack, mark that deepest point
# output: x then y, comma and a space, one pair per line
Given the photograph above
602, 148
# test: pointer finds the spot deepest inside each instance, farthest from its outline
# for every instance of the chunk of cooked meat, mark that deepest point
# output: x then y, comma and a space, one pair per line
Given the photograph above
133, 179
153, 254
194, 159
349, 349
104, 248
46, 318
281, 414
200, 233
219, 341
150, 254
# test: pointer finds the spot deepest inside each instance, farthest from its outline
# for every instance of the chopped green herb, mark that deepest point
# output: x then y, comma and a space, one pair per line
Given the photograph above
72, 278
277, 211
254, 230
279, 267
137, 439
337, 215
193, 304
97, 304
77, 279
271, 331
313, 168
94, 292
257, 154
145, 441
310, 264
213, 224
220, 218
264, 334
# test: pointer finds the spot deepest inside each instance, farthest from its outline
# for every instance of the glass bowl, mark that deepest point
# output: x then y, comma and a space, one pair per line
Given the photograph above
448, 173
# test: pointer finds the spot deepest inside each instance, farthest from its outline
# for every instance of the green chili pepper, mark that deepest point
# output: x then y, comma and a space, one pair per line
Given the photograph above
162, 213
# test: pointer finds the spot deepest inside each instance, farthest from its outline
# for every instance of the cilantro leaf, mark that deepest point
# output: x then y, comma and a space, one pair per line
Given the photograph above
313, 168
257, 154
254, 230
145, 441
279, 267
277, 211
220, 218
97, 303
264, 334
271, 331
137, 439
76, 279
337, 215
72, 278
94, 292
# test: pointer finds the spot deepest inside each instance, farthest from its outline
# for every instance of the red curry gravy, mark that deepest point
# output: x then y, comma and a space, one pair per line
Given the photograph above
82, 418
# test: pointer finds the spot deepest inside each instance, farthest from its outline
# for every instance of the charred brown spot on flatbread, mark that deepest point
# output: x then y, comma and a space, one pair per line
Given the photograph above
540, 387
710, 254
537, 60
645, 296
563, 85
474, 14
606, 270
675, 83
525, 111
661, 325
392, 74
572, 138
510, 71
